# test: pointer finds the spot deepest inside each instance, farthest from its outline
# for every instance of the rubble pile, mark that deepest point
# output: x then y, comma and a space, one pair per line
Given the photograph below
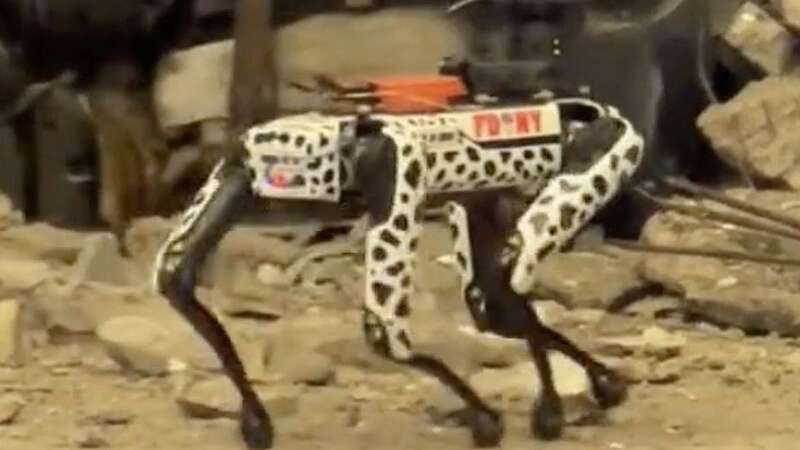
756, 131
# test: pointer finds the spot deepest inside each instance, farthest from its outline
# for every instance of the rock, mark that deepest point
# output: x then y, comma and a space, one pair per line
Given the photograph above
101, 261
520, 385
22, 275
633, 370
88, 438
136, 343
144, 237
43, 241
653, 342
494, 351
336, 336
13, 351
111, 416
756, 131
82, 308
338, 249
270, 306
257, 244
217, 398
307, 367
10, 407
655, 307
790, 11
204, 68
751, 296
239, 255
272, 275
210, 399
762, 39
587, 280
666, 372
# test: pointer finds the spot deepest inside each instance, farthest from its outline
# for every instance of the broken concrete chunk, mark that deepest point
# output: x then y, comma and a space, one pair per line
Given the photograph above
762, 39
587, 280
145, 236
653, 342
204, 68
757, 131
12, 349
272, 275
111, 416
753, 297
217, 398
136, 343
10, 407
44, 241
22, 275
790, 12
101, 261
89, 437
210, 399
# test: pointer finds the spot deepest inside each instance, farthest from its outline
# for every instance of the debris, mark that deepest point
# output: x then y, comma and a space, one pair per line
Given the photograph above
272, 275
13, 352
653, 342
217, 398
111, 416
756, 130
22, 275
205, 68
144, 238
10, 407
750, 296
762, 39
88, 438
43, 241
587, 280
136, 343
210, 399
101, 261
790, 11
335, 248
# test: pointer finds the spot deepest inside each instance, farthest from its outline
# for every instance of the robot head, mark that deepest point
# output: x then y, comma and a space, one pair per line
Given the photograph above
297, 156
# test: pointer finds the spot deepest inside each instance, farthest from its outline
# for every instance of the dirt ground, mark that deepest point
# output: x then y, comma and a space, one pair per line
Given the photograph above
723, 391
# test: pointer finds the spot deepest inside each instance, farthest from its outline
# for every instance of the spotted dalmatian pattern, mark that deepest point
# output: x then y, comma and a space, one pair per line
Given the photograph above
172, 250
458, 163
433, 155
568, 201
471, 294
391, 249
297, 157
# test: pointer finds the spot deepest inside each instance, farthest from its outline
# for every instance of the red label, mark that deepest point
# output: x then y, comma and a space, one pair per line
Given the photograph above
507, 124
